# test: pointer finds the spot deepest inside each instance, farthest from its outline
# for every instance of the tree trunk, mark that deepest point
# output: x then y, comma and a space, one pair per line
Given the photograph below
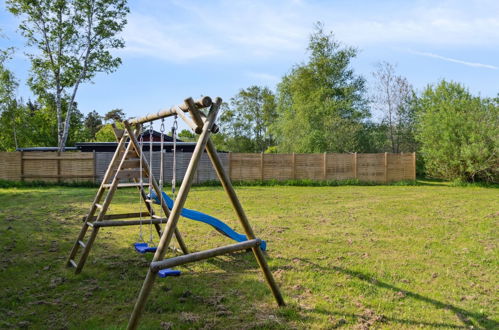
58, 106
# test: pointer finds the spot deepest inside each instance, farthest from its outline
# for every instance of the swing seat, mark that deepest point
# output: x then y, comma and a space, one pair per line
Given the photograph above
144, 248
169, 272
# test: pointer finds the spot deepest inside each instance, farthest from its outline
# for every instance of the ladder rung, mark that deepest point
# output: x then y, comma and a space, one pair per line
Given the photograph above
154, 216
126, 185
119, 216
130, 174
148, 200
131, 163
90, 224
128, 222
99, 206
72, 263
82, 244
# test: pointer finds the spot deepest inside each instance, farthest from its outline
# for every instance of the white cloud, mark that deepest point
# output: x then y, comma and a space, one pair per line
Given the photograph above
453, 60
147, 35
247, 30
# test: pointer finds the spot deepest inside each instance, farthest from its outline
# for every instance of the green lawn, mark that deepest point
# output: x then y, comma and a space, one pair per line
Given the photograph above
352, 256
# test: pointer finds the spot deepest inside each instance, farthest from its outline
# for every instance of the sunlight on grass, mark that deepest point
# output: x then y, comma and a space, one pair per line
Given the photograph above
349, 256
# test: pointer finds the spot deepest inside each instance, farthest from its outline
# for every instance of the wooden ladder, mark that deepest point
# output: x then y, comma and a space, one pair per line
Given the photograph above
125, 165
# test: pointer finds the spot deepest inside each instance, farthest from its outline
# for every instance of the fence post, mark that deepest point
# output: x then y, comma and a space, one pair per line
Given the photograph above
294, 166
414, 164
355, 169
261, 165
324, 166
386, 167
94, 158
22, 165
230, 165
58, 166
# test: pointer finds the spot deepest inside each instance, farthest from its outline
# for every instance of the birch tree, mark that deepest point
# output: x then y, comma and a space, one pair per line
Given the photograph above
394, 98
69, 43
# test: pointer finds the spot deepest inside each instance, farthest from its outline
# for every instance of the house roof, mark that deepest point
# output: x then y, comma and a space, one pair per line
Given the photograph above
146, 133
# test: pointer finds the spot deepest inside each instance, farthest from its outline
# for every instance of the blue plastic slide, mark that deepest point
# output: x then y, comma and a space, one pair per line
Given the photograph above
202, 217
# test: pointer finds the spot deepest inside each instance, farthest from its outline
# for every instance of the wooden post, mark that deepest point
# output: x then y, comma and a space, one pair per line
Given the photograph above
414, 164
22, 165
197, 174
355, 168
324, 166
386, 167
294, 166
261, 166
94, 156
230, 165
201, 255
229, 189
212, 152
58, 166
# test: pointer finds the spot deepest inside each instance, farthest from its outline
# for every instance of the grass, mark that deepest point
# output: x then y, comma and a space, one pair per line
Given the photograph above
389, 257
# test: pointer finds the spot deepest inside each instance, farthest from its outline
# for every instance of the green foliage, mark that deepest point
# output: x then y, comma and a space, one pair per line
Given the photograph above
106, 133
187, 136
93, 122
25, 184
459, 133
321, 103
245, 123
9, 119
71, 42
115, 115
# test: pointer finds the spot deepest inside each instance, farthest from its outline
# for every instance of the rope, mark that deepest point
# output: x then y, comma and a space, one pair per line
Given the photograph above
161, 164
174, 175
150, 176
141, 183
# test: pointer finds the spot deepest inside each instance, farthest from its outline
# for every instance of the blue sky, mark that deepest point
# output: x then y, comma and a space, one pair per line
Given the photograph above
176, 49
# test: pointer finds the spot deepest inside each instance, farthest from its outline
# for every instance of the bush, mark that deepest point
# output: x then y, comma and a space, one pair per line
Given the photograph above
458, 134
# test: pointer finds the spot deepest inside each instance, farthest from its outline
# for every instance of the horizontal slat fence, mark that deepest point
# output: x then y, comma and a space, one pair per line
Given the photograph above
47, 166
82, 166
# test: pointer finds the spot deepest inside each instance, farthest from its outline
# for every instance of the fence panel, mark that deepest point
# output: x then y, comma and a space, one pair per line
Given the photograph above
246, 166
10, 166
309, 166
340, 166
278, 167
371, 167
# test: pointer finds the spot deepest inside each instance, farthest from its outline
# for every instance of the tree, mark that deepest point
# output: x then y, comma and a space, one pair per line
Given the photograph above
187, 136
93, 122
115, 115
8, 105
106, 133
393, 97
458, 133
246, 123
321, 104
72, 41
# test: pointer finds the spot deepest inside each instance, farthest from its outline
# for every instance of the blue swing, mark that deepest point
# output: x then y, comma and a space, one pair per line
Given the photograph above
144, 248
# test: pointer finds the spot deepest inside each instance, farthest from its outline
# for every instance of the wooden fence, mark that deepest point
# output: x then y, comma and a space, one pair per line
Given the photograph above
82, 166
384, 167
47, 166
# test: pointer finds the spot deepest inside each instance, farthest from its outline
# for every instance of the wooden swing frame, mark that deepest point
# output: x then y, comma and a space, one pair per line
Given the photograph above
203, 125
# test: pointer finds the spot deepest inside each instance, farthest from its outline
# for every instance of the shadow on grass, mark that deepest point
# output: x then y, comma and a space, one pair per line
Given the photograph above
464, 316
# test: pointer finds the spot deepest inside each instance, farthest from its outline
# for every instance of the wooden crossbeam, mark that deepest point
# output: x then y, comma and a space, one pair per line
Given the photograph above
197, 256
116, 223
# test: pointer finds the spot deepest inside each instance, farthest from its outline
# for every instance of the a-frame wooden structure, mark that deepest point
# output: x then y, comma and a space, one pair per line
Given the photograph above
124, 165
